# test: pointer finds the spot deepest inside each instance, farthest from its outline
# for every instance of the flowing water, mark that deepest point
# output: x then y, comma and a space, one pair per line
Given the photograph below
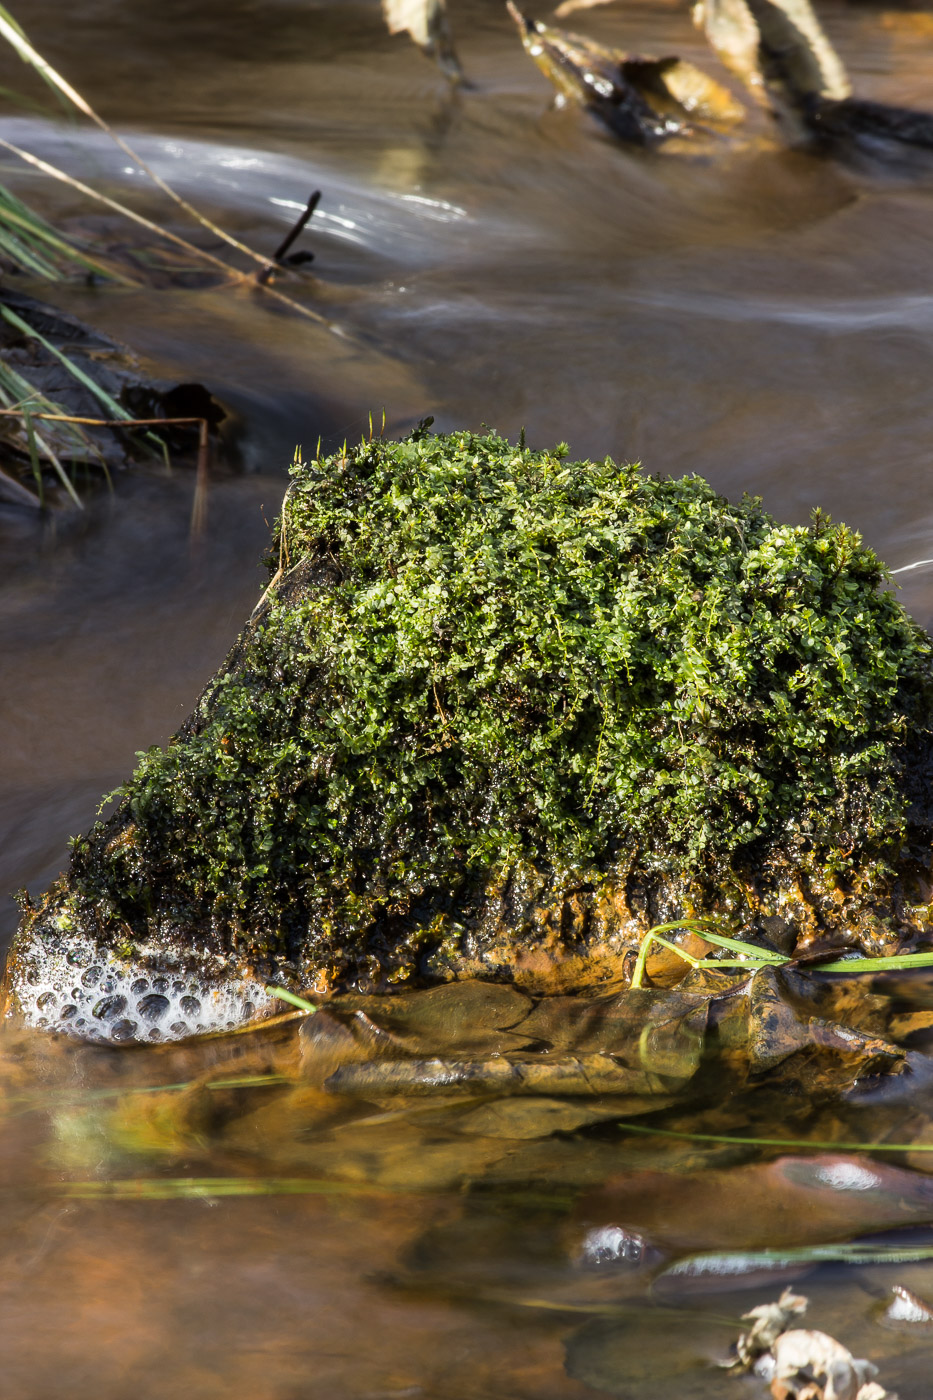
760, 316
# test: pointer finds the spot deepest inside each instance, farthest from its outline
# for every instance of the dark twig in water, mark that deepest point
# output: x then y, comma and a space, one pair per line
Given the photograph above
298, 227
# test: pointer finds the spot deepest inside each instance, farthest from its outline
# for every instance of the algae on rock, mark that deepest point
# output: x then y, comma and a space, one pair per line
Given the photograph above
499, 712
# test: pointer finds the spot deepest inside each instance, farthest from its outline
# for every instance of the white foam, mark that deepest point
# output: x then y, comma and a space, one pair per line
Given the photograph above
71, 985
611, 1244
848, 1176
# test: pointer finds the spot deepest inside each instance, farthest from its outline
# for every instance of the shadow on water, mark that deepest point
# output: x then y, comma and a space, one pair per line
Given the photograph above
759, 316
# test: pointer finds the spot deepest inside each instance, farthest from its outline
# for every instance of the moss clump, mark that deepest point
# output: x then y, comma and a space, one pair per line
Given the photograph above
477, 658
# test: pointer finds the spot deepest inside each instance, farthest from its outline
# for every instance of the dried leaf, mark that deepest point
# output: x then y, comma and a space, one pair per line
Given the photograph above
778, 45
428, 24
768, 1320
804, 1356
639, 99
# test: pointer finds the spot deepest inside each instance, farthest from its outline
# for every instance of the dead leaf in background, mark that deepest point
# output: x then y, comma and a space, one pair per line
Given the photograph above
428, 24
775, 44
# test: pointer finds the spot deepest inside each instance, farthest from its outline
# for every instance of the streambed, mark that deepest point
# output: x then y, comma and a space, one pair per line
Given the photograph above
759, 316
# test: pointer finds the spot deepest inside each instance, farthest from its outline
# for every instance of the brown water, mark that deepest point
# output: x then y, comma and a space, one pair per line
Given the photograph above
762, 317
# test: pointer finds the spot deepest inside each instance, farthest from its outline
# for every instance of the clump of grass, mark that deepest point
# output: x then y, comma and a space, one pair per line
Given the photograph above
477, 658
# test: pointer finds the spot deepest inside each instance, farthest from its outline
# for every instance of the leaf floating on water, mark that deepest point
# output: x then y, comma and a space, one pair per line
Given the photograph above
683, 83
640, 99
429, 26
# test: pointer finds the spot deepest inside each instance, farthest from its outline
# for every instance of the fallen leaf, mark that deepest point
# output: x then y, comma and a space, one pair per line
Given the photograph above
804, 1356
768, 1320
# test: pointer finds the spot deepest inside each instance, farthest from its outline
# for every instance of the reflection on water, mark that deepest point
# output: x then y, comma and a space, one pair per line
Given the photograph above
758, 315
234, 1217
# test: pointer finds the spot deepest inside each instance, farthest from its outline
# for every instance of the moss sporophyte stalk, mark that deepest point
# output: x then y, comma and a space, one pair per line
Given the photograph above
499, 712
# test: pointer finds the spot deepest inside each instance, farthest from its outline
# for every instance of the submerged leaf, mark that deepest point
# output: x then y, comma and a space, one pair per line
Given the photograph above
804, 1356
768, 1321
567, 1074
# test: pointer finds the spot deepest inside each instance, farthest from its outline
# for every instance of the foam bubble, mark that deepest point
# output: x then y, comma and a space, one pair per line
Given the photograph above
117, 1000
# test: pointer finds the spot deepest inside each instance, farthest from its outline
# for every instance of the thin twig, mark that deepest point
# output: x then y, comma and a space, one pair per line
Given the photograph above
298, 228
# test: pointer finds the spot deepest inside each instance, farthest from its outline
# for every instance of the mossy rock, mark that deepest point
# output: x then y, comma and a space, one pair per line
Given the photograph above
496, 715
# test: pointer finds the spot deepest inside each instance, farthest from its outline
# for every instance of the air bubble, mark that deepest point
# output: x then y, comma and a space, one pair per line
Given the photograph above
110, 1007
153, 1007
75, 987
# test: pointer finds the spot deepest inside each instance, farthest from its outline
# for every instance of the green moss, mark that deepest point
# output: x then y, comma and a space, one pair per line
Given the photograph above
479, 655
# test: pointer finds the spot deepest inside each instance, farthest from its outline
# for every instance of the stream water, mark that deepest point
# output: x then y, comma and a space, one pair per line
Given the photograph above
760, 316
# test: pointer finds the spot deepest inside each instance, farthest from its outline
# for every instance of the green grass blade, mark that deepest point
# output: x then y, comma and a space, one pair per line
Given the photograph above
796, 1143
14, 214
737, 1262
292, 998
201, 1187
114, 409
898, 962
